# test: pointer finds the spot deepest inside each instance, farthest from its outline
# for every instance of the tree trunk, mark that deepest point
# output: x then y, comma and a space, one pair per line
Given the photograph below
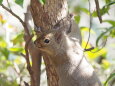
46, 16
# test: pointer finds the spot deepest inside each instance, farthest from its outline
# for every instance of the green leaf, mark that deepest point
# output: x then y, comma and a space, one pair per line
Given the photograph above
16, 49
19, 2
77, 19
94, 14
104, 9
77, 9
112, 33
85, 10
1, 1
5, 52
111, 3
105, 64
18, 39
109, 78
107, 1
112, 22
103, 34
3, 43
42, 1
92, 56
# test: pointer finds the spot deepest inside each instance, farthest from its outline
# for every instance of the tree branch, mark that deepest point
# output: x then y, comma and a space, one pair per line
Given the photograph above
22, 22
10, 11
89, 28
98, 10
9, 5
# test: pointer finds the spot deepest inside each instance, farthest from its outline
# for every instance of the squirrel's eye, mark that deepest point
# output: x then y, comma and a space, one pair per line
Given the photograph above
46, 41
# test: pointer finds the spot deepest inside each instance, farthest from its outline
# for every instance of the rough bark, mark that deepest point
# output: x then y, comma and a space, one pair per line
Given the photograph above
52, 78
45, 16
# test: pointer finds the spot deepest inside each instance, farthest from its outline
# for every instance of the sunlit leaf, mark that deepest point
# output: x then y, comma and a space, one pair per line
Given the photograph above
10, 26
92, 55
105, 64
17, 61
3, 44
16, 49
19, 2
3, 21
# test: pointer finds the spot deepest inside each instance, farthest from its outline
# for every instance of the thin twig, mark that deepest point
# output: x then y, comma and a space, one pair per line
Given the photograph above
13, 14
23, 55
98, 10
89, 28
100, 48
8, 4
89, 49
22, 22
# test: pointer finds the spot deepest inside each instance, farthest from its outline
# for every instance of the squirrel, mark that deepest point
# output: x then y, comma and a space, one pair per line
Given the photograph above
67, 55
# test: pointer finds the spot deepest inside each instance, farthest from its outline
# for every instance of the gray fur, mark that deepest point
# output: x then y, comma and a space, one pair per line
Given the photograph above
67, 57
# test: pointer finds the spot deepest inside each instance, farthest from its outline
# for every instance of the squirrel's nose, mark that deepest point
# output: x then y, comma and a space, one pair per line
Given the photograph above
37, 44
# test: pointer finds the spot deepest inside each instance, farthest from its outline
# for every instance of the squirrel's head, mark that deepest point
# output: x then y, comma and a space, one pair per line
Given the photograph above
49, 41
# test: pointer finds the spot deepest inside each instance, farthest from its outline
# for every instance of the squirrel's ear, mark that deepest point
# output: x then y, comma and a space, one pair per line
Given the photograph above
58, 37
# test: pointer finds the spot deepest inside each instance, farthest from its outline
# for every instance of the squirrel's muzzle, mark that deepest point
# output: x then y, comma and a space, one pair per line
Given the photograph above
37, 44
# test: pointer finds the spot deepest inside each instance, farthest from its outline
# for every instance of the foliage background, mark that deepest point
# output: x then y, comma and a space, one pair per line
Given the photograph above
13, 66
